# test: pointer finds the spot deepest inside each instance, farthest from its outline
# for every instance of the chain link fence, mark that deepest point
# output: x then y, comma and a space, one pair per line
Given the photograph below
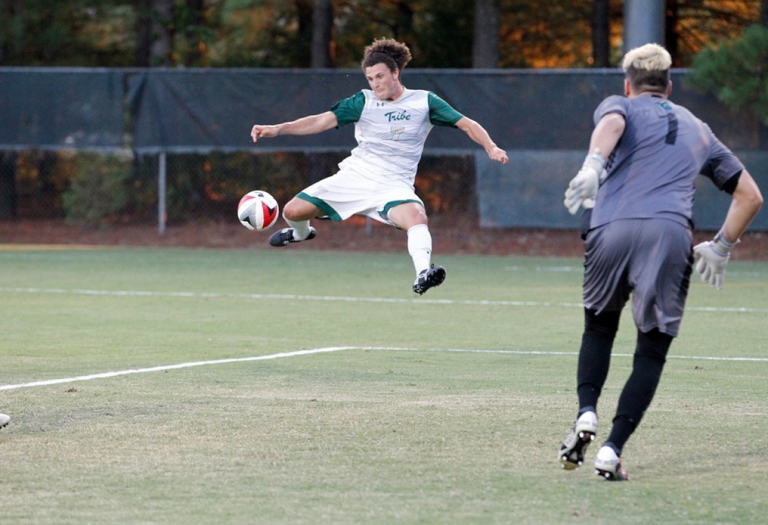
98, 189
163, 147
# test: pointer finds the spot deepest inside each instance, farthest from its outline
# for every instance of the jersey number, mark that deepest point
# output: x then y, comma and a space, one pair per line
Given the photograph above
671, 129
396, 132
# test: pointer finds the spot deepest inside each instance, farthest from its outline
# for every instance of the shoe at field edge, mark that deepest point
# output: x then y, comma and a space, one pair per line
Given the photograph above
608, 465
429, 279
4, 420
285, 237
582, 433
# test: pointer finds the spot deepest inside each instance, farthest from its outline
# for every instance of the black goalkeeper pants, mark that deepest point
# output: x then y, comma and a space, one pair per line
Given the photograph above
594, 363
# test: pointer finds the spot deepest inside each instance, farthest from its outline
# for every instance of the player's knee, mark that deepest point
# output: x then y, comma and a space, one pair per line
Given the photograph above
298, 210
420, 218
289, 211
418, 215
408, 215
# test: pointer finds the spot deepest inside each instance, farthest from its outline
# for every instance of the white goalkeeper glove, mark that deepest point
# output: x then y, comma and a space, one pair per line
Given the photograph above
711, 257
582, 189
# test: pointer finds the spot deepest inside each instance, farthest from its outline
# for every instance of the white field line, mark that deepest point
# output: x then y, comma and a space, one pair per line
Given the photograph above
107, 375
333, 298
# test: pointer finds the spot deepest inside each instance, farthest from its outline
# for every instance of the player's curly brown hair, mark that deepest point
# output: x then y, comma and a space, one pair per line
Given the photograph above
387, 51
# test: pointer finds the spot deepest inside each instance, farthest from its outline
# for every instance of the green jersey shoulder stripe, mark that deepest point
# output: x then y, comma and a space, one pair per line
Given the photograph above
441, 113
349, 110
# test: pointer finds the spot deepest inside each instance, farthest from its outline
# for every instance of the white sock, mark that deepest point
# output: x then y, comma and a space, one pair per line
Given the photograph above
420, 247
300, 229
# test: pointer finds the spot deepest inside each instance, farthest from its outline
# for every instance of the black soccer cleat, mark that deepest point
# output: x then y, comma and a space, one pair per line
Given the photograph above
429, 279
285, 237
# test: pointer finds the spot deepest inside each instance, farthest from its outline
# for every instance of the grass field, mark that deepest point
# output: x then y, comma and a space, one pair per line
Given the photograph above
264, 386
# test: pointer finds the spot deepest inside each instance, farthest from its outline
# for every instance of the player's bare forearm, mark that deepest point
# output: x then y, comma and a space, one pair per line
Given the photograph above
711, 257
746, 203
478, 133
304, 126
607, 134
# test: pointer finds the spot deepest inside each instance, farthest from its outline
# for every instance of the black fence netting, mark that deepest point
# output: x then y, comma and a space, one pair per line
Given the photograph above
88, 145
55, 109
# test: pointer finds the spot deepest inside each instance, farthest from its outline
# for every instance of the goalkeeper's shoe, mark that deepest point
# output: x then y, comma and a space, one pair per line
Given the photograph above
608, 465
285, 237
575, 444
4, 420
429, 279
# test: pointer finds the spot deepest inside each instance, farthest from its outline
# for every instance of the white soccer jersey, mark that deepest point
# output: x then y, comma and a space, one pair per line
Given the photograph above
391, 134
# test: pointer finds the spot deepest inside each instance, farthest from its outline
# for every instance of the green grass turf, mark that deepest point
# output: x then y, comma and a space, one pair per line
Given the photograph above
447, 408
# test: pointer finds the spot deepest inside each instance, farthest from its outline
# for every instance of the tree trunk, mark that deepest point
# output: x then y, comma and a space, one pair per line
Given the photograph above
402, 23
143, 32
764, 12
195, 20
322, 26
671, 34
601, 33
11, 15
161, 46
485, 48
8, 185
320, 57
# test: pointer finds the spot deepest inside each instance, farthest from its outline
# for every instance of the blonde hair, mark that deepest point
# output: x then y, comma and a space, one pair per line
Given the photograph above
650, 57
647, 68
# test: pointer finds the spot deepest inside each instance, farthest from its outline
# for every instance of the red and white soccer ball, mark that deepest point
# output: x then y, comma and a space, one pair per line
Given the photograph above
258, 210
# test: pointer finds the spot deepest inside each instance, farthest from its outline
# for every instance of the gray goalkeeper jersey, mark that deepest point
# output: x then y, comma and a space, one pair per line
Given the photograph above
653, 169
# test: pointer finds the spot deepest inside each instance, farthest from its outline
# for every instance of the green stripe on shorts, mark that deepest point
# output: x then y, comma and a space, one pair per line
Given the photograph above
385, 212
330, 212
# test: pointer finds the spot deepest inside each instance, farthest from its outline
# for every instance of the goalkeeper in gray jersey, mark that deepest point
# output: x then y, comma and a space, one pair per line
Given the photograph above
637, 183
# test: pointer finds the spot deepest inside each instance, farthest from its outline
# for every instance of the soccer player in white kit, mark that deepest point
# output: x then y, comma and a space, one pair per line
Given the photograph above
377, 179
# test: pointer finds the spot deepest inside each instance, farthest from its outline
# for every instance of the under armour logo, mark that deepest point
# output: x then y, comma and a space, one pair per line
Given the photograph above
379, 104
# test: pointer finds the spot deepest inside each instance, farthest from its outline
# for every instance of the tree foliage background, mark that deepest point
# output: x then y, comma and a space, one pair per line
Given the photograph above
279, 33
327, 33
737, 72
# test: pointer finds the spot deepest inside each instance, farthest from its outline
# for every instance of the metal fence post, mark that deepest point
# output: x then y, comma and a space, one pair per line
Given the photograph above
161, 184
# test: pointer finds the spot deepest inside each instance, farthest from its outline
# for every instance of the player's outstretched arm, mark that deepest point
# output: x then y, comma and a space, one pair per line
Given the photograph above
303, 126
712, 256
478, 133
